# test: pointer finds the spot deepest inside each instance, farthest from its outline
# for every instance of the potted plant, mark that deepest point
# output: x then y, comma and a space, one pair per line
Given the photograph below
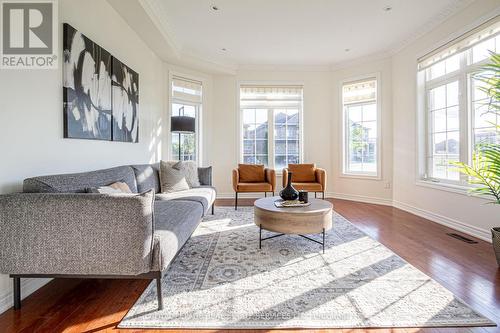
484, 172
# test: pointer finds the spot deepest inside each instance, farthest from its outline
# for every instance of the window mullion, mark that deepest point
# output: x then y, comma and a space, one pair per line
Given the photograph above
270, 137
463, 100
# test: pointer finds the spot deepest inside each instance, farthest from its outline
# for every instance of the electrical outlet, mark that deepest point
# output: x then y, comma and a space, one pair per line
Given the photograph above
387, 185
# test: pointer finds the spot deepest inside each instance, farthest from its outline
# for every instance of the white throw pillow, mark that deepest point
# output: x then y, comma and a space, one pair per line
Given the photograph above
171, 179
190, 171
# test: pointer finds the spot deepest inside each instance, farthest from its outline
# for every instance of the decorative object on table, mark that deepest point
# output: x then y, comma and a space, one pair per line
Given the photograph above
357, 283
86, 87
306, 177
125, 105
289, 192
303, 196
290, 203
252, 178
182, 125
484, 172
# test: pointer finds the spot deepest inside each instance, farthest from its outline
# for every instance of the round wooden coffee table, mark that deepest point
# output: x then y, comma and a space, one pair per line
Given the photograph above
313, 219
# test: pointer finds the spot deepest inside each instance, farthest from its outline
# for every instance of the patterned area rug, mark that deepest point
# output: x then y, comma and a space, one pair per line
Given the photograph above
222, 280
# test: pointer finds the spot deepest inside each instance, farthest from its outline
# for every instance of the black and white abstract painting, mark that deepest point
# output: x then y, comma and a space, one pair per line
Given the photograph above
87, 88
125, 103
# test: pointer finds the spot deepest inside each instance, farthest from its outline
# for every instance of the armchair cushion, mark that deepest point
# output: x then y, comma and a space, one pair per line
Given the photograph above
302, 173
310, 187
251, 173
254, 187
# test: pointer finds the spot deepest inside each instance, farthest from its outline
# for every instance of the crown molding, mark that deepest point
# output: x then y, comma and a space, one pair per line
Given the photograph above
157, 14
156, 11
438, 19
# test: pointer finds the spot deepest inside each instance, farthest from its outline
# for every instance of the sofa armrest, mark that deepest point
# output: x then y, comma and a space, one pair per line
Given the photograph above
205, 176
84, 234
270, 177
284, 177
236, 179
321, 177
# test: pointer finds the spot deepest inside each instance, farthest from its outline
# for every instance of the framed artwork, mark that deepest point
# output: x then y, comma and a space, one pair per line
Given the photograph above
100, 93
125, 103
86, 87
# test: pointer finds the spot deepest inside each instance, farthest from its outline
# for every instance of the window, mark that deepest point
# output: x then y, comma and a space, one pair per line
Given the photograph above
456, 112
186, 101
271, 125
360, 114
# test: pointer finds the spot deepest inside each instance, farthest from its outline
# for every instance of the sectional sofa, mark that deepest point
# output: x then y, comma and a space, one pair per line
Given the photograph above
55, 229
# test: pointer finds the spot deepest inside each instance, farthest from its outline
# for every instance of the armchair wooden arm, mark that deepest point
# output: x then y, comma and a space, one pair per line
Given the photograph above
321, 177
236, 179
270, 177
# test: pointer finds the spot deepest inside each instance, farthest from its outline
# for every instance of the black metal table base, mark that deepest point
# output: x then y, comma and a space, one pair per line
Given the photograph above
278, 235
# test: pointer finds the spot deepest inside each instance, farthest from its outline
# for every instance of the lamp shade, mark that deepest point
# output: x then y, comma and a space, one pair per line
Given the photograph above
182, 124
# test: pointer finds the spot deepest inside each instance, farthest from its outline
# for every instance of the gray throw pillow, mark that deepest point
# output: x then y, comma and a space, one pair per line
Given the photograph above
190, 171
171, 179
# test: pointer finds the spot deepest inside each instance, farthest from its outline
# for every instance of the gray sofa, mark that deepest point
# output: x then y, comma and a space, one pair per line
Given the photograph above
55, 229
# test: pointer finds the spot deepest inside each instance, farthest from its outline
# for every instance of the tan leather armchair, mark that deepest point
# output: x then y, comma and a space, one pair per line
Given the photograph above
249, 178
306, 177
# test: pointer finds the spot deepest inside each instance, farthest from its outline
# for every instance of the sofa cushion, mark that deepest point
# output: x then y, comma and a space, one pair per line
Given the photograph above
79, 182
171, 179
174, 222
204, 195
302, 172
147, 177
251, 173
254, 187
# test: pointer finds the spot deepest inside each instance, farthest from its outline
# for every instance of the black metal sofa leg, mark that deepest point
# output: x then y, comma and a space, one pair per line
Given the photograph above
213, 208
235, 200
17, 293
158, 291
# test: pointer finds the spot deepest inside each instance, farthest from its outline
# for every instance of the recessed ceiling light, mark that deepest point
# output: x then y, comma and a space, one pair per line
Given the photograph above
347, 50
214, 7
387, 8
224, 49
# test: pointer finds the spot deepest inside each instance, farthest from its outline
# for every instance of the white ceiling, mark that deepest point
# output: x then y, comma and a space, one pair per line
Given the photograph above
294, 32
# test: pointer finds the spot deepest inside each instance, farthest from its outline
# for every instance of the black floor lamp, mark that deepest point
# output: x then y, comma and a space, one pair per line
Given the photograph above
182, 125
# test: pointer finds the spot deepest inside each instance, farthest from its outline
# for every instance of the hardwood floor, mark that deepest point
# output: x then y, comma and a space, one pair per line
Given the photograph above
468, 270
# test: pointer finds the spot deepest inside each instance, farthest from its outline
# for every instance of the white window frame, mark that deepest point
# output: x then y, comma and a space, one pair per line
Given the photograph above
344, 133
199, 114
466, 123
270, 117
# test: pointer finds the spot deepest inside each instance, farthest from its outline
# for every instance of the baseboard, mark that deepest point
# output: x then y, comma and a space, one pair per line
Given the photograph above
28, 286
446, 221
360, 198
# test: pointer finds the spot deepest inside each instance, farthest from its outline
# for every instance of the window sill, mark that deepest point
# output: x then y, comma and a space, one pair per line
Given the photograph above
360, 176
453, 188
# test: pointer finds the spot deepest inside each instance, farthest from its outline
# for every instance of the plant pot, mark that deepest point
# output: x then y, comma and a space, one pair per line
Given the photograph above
495, 238
289, 192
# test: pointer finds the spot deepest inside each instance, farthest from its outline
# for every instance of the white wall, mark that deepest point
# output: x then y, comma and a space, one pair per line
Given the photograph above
322, 115
31, 117
370, 190
468, 214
